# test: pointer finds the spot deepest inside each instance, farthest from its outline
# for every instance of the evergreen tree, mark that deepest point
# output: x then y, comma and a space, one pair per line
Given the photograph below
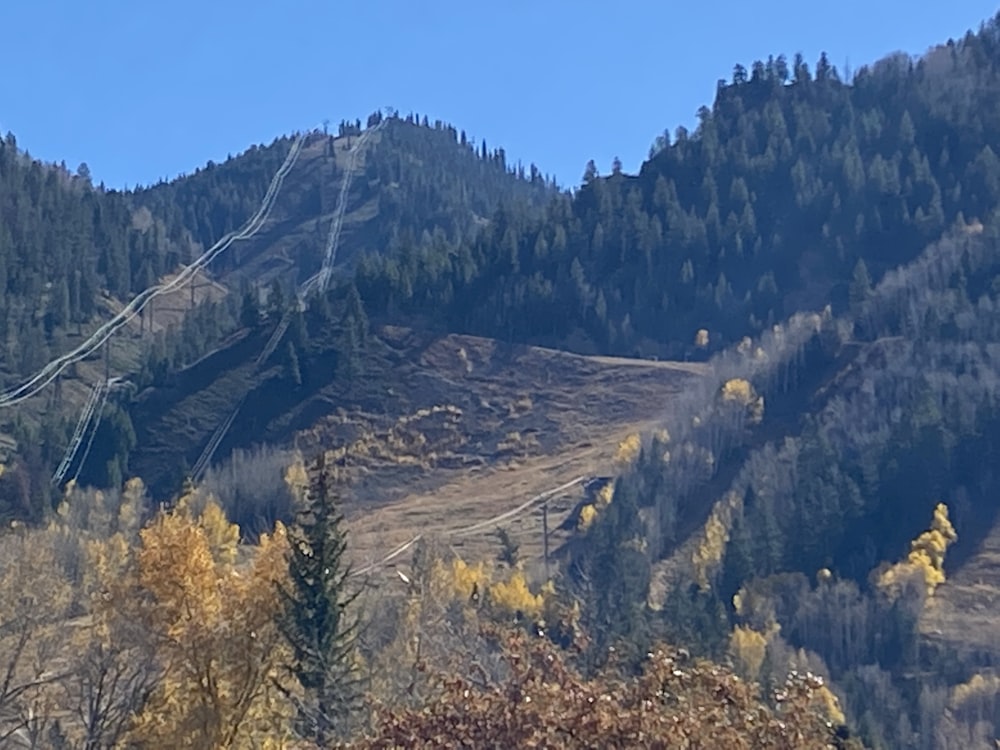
316, 622
250, 310
861, 287
292, 368
276, 300
356, 312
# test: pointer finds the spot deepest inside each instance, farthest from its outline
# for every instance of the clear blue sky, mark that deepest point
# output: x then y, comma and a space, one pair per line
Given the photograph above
142, 90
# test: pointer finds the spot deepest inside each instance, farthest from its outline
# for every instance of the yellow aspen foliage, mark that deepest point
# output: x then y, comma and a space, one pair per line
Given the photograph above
628, 449
458, 578
606, 495
297, 477
708, 555
748, 649
106, 563
740, 391
926, 558
701, 338
709, 551
830, 704
589, 511
216, 632
223, 537
176, 567
979, 689
513, 595
134, 498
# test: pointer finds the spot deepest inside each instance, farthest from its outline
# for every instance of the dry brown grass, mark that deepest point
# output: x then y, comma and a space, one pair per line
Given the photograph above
964, 611
504, 424
469, 497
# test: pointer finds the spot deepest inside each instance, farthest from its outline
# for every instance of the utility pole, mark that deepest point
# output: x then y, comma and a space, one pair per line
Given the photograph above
545, 536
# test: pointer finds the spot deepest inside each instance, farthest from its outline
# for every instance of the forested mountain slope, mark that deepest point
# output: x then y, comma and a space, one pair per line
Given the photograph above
407, 180
794, 187
819, 494
64, 241
809, 501
72, 254
789, 179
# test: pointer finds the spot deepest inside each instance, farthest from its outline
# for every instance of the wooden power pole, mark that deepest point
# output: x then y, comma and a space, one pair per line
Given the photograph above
545, 536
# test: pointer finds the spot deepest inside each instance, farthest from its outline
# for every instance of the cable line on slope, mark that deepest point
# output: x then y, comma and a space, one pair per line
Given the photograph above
81, 427
318, 280
476, 527
48, 373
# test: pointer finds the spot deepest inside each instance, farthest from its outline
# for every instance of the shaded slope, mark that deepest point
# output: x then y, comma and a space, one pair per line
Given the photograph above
490, 404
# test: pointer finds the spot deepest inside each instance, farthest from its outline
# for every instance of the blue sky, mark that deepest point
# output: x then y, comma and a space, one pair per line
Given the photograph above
142, 90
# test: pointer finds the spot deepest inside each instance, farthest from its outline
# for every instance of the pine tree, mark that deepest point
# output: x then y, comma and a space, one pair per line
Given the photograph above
859, 293
861, 287
276, 301
292, 368
355, 311
250, 310
316, 622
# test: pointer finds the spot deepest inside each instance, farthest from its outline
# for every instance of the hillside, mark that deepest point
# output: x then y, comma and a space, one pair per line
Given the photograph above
410, 180
791, 178
421, 411
757, 385
406, 179
849, 516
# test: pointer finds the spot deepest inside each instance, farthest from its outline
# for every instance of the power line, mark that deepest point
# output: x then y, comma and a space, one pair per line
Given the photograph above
319, 280
49, 372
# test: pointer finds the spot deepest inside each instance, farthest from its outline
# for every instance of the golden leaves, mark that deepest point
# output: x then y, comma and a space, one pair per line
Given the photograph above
297, 478
748, 648
738, 390
460, 581
216, 625
711, 548
628, 450
741, 392
513, 595
926, 558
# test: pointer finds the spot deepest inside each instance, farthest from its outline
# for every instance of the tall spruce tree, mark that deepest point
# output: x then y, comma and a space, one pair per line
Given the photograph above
316, 620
